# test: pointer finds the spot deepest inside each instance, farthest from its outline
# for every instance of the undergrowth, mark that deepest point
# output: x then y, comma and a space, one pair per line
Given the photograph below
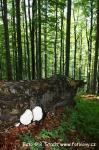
83, 120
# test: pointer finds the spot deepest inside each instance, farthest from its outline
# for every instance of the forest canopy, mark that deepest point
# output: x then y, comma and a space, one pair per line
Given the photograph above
39, 38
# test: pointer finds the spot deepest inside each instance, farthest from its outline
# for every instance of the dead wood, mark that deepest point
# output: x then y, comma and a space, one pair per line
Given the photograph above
17, 96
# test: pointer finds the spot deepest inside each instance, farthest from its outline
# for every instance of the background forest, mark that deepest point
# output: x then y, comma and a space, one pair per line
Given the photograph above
39, 38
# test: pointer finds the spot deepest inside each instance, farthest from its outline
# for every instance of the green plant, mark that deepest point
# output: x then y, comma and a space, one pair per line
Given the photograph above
86, 118
29, 140
46, 134
83, 119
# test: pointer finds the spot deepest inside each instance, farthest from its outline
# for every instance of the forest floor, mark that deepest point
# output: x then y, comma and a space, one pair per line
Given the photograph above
68, 129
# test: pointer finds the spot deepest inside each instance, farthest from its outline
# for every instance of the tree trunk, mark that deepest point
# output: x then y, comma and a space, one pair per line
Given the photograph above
15, 55
1, 64
16, 97
19, 43
33, 38
6, 36
62, 46
27, 44
37, 52
45, 40
68, 37
39, 40
75, 38
55, 43
96, 51
89, 41
98, 79
25, 72
80, 57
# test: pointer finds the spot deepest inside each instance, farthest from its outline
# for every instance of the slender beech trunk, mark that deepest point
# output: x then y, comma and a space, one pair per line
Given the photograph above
55, 44
6, 36
15, 59
19, 43
25, 72
45, 40
68, 37
89, 42
75, 38
80, 57
39, 40
27, 44
36, 35
98, 79
34, 5
61, 52
96, 52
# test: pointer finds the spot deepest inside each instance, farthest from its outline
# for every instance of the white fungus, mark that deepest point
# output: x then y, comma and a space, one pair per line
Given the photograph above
37, 113
26, 117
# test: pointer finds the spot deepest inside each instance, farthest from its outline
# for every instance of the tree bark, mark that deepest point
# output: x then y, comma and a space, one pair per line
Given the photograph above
33, 47
45, 40
39, 41
68, 37
75, 38
80, 56
27, 44
62, 44
55, 43
6, 36
16, 97
89, 42
98, 79
96, 51
19, 43
15, 52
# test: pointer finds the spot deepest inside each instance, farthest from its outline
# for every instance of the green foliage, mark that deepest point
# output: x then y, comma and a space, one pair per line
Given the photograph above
35, 145
86, 118
82, 13
83, 119
55, 133
46, 134
29, 140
